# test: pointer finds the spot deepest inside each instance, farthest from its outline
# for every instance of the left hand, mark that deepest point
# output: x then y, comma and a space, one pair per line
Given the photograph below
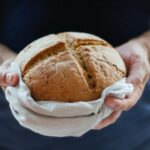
135, 57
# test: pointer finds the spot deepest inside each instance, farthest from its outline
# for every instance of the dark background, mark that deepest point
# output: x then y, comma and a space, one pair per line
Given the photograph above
23, 21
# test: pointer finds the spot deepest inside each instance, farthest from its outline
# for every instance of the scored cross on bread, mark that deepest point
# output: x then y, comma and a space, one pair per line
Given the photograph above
70, 67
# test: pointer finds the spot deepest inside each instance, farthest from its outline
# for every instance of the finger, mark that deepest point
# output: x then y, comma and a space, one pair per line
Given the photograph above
8, 79
138, 76
126, 103
123, 104
109, 120
130, 101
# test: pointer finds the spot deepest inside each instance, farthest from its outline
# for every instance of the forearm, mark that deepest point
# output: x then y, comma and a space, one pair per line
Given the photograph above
6, 53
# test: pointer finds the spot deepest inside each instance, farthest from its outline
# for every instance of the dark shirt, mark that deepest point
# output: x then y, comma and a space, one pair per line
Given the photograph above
22, 21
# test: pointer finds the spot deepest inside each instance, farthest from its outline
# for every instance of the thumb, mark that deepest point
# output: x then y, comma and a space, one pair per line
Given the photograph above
8, 78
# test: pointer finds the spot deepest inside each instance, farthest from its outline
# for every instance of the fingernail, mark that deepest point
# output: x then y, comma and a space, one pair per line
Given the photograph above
9, 77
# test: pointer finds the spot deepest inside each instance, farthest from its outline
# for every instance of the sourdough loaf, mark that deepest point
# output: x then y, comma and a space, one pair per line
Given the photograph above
69, 67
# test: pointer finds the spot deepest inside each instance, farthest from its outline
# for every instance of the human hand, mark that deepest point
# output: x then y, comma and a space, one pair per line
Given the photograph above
7, 78
135, 56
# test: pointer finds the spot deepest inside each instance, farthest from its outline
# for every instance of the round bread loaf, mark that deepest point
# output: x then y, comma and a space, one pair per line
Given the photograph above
69, 67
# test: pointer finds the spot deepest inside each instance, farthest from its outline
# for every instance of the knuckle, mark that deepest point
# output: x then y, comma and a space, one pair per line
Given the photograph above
137, 80
126, 109
129, 105
135, 57
122, 105
113, 121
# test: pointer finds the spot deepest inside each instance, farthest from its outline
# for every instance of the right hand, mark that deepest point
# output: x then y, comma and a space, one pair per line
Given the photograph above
7, 78
135, 57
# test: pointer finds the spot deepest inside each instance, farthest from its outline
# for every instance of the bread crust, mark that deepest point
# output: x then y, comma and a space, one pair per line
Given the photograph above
70, 67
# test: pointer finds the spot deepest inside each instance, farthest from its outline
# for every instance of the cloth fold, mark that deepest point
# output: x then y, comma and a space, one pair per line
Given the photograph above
60, 119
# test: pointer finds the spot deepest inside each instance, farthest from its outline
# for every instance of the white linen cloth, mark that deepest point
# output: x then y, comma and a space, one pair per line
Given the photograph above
60, 119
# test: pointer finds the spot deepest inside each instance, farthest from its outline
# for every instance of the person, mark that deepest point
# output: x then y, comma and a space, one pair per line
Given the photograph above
125, 24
